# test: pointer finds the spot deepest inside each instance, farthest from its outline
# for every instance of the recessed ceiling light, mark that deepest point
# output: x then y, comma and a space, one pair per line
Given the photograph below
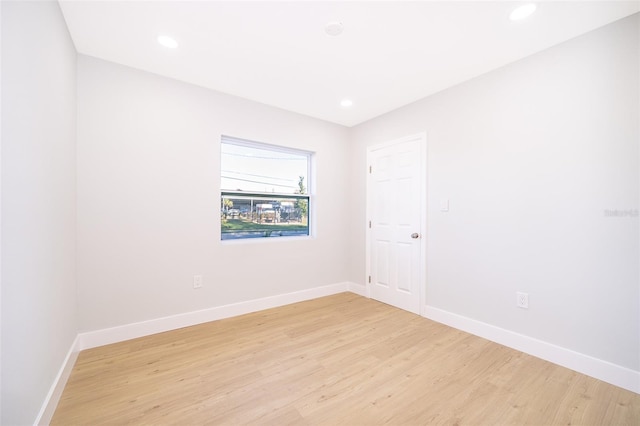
167, 41
523, 11
333, 28
346, 103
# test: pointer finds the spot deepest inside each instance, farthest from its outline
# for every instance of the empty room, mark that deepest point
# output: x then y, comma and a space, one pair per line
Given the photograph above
320, 212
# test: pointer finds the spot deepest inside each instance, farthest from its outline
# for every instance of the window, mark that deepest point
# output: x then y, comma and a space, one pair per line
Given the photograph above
264, 190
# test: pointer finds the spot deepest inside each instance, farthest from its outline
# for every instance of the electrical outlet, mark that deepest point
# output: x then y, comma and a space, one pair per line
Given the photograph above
522, 300
197, 281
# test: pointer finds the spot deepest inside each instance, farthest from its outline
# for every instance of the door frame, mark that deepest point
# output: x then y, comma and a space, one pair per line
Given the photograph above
422, 277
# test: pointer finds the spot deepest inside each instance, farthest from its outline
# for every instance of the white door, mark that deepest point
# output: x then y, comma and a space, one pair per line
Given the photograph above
396, 241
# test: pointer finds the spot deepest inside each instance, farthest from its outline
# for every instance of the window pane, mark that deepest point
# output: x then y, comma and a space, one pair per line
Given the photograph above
264, 190
257, 216
255, 169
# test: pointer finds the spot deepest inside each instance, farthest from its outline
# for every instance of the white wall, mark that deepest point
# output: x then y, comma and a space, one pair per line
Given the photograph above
530, 156
0, 214
148, 199
39, 316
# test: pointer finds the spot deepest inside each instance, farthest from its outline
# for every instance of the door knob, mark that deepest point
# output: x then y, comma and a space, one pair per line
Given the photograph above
415, 235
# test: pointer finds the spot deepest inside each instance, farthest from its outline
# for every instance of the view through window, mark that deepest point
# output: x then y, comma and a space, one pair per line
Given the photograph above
264, 190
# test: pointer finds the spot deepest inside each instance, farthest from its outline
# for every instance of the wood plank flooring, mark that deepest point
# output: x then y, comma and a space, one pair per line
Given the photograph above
337, 360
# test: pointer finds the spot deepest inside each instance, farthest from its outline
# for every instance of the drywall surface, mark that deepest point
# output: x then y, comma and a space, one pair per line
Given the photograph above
539, 162
39, 316
149, 201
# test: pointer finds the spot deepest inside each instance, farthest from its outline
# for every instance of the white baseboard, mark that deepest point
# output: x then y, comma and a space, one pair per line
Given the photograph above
53, 397
602, 370
358, 289
107, 336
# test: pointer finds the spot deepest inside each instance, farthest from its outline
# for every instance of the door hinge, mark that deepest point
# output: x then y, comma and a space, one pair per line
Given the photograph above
369, 224
369, 279
369, 169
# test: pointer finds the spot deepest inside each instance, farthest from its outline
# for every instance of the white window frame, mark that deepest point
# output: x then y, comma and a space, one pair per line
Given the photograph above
309, 196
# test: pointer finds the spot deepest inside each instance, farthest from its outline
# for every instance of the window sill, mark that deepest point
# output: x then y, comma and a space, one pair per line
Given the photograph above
266, 240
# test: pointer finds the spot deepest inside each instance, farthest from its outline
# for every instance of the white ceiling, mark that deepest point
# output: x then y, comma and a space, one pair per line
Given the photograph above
390, 54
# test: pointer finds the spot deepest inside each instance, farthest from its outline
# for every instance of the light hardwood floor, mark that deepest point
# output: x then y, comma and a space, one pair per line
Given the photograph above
337, 360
